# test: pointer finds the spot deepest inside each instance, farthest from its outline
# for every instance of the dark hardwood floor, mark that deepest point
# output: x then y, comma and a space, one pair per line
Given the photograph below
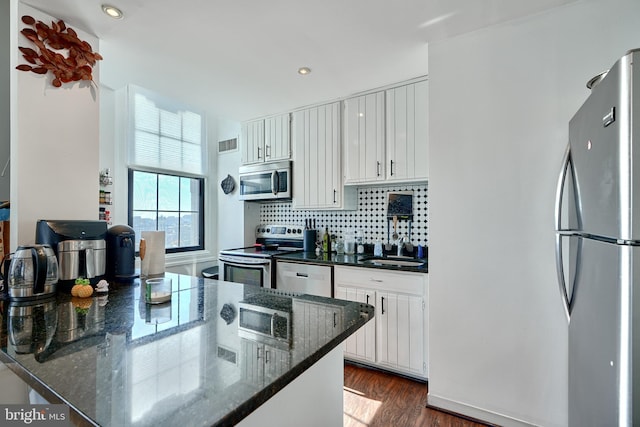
377, 399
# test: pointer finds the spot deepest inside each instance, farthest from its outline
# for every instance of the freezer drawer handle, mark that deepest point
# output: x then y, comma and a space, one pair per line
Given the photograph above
302, 275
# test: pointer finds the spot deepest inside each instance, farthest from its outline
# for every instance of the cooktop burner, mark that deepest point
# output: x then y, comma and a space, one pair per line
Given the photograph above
258, 251
271, 240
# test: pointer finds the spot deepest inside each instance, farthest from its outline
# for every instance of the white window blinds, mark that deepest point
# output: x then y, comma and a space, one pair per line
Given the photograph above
164, 135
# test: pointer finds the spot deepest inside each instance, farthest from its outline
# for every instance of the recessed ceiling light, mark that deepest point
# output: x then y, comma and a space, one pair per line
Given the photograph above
112, 11
304, 70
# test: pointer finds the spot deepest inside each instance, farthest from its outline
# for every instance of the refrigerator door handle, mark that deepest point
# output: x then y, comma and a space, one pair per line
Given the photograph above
566, 161
561, 281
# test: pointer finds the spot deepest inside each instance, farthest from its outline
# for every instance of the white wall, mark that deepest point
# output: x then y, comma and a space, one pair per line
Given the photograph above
500, 101
5, 72
224, 222
54, 143
236, 219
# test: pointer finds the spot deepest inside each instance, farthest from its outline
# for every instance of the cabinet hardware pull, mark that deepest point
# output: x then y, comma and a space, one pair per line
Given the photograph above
382, 305
335, 319
376, 280
367, 298
258, 353
378, 168
267, 151
391, 167
266, 356
302, 275
334, 196
258, 152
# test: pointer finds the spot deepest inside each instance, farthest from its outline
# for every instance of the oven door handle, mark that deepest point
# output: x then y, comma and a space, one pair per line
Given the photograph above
235, 263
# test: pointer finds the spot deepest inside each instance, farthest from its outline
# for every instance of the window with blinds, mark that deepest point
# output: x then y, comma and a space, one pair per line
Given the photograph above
167, 164
165, 135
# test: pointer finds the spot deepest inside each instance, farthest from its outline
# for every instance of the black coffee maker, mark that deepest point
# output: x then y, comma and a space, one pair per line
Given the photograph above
121, 253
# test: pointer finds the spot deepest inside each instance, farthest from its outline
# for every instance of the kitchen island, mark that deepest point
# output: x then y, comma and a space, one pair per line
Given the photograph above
115, 360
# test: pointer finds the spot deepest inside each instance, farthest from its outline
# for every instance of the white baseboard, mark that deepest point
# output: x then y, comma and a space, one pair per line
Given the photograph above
474, 412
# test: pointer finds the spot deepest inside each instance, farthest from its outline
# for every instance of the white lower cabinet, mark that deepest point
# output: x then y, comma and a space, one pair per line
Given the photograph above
362, 344
314, 323
396, 339
262, 363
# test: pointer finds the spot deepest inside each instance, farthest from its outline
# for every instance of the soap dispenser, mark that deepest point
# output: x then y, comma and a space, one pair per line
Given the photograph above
377, 248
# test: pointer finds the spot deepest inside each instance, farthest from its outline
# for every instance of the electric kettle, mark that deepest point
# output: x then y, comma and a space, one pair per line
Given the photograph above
32, 326
33, 272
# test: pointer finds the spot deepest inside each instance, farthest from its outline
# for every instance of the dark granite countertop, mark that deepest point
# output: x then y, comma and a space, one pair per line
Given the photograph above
117, 361
361, 260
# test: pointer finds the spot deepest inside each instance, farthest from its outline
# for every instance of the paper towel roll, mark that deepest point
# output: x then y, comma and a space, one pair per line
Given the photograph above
153, 262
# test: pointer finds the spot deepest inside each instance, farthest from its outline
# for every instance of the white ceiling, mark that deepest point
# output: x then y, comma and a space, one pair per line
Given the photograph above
239, 58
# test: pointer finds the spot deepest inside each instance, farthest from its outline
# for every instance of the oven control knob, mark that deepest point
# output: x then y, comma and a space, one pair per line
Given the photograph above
299, 231
288, 231
268, 230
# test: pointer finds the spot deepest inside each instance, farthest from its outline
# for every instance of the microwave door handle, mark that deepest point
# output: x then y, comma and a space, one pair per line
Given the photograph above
274, 182
273, 324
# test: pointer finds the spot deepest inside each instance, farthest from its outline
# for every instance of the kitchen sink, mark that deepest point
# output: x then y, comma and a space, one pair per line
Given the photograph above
395, 262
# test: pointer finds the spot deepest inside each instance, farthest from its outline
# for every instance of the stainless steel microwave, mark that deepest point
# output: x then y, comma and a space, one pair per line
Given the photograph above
265, 181
266, 318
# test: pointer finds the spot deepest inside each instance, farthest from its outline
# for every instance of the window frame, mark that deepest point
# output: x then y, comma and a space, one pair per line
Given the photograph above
201, 206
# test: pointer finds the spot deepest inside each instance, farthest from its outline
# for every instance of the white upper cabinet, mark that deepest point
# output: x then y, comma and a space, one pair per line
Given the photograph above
364, 139
387, 136
407, 132
252, 142
317, 159
277, 138
266, 140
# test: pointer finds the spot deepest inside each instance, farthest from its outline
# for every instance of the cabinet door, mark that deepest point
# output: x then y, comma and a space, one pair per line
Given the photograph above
400, 334
277, 140
314, 323
276, 362
364, 138
252, 142
252, 361
317, 169
407, 130
362, 344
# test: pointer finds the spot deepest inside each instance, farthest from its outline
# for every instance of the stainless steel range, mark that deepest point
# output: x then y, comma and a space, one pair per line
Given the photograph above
253, 265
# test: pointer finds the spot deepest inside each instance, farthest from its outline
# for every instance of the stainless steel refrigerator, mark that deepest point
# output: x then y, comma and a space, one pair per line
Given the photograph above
598, 249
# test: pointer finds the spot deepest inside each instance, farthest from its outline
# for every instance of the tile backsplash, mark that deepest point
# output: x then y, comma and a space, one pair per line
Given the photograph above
370, 217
